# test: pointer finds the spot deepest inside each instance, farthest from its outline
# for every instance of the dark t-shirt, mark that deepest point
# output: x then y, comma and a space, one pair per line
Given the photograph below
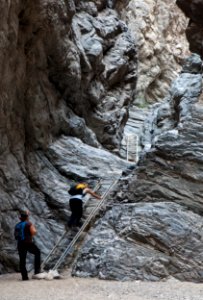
28, 237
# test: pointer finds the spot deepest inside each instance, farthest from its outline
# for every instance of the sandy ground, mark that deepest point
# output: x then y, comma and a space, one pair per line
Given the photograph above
71, 288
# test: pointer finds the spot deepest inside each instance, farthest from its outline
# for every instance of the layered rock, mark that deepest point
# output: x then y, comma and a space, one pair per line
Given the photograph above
155, 230
159, 27
84, 60
68, 75
193, 10
68, 68
144, 241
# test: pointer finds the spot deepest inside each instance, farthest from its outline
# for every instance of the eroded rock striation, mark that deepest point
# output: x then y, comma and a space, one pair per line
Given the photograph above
164, 193
159, 27
68, 77
193, 10
67, 68
144, 241
155, 230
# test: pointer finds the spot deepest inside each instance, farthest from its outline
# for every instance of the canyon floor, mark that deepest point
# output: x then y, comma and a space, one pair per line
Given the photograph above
72, 288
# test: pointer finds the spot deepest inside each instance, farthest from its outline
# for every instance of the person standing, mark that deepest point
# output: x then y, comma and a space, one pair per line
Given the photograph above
78, 192
24, 232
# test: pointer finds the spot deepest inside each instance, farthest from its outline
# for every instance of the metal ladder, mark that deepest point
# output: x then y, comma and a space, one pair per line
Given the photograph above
65, 232
79, 233
132, 147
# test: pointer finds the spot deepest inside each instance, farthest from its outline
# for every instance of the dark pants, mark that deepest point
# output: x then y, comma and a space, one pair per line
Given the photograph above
23, 248
77, 211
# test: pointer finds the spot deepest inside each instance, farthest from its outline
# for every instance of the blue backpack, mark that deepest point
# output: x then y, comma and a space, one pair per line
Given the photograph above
19, 232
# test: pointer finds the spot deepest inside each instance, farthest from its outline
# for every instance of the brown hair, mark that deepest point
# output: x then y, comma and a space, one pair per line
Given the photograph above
23, 215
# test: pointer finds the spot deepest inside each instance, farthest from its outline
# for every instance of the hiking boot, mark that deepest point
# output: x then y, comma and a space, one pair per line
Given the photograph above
39, 276
26, 278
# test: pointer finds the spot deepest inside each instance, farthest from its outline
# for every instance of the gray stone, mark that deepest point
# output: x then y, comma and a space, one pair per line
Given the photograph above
143, 242
193, 10
56, 128
155, 230
51, 65
193, 64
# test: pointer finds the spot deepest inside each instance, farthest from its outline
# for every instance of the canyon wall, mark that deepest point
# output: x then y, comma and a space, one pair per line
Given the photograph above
68, 78
194, 33
153, 228
159, 27
68, 73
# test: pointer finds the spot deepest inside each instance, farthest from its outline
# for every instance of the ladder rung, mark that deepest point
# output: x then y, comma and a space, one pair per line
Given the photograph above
64, 234
72, 243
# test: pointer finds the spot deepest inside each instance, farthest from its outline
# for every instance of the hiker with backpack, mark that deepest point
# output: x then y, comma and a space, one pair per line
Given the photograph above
24, 232
78, 193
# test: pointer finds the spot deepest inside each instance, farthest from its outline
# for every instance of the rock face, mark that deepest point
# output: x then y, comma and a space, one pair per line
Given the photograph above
68, 75
68, 68
61, 58
160, 30
144, 241
193, 10
155, 230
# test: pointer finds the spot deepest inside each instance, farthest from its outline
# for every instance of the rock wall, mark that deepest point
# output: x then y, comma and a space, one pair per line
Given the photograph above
67, 68
68, 77
159, 27
155, 230
194, 33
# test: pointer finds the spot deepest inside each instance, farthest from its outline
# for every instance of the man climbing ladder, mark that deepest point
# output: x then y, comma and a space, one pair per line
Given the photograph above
71, 245
78, 192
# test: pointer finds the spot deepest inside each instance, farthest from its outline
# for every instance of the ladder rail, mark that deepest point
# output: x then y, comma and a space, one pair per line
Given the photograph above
132, 141
63, 235
52, 251
76, 237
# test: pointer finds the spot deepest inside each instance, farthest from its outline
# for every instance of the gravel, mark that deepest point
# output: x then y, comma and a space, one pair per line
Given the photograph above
72, 288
